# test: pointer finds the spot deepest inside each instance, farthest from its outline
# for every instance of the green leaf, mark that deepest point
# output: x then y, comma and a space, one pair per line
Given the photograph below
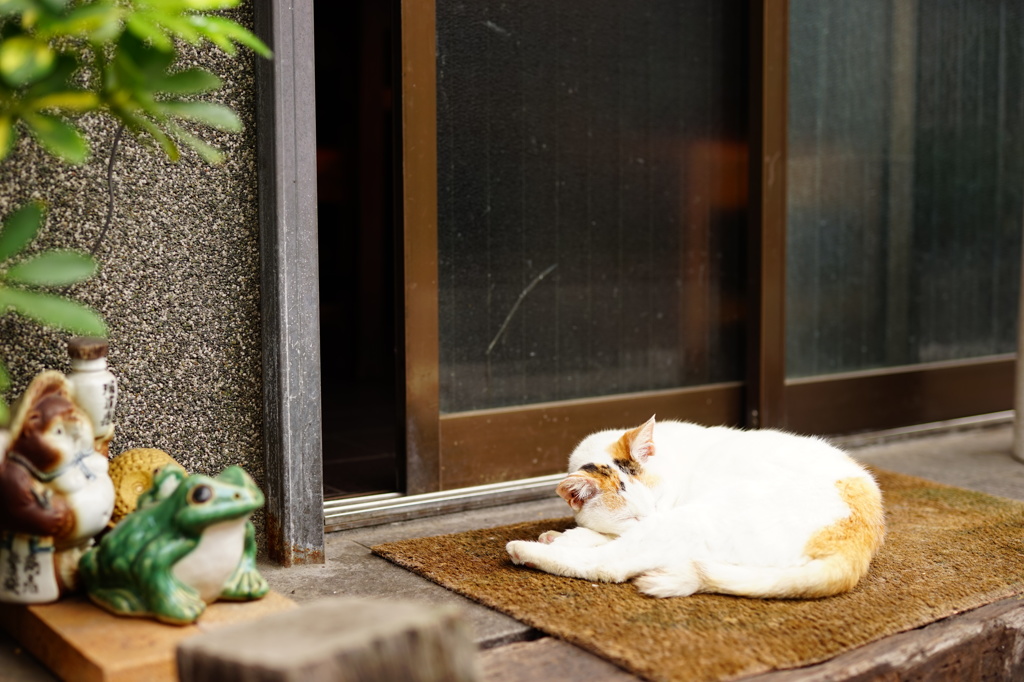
5, 378
12, 6
206, 5
209, 153
179, 26
146, 30
58, 80
55, 5
58, 137
53, 269
20, 229
52, 311
220, 40
69, 100
139, 124
189, 82
7, 136
232, 31
97, 21
24, 60
214, 115
5, 414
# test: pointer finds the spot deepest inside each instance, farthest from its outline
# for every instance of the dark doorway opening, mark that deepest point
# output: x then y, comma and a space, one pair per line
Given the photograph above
353, 47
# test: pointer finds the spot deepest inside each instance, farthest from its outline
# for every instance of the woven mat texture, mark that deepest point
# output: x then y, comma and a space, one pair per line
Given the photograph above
947, 550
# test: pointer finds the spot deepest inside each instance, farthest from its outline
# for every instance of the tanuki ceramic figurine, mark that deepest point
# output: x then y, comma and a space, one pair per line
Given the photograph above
55, 494
189, 543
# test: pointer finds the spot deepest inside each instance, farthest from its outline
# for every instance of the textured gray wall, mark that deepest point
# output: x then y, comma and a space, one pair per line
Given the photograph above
178, 285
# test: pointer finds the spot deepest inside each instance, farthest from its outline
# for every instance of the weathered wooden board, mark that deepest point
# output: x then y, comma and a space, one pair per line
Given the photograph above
80, 642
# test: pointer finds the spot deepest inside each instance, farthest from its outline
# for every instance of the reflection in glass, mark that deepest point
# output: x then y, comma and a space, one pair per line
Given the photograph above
906, 165
592, 193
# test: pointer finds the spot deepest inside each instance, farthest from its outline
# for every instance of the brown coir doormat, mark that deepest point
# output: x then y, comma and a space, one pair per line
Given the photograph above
947, 550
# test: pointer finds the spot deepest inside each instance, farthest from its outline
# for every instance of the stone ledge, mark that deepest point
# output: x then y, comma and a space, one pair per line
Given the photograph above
338, 640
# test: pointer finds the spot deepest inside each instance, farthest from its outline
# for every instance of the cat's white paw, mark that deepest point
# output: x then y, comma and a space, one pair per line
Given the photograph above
661, 583
519, 552
549, 536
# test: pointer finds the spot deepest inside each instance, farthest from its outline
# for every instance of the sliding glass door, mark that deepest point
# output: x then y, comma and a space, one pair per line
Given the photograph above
758, 213
906, 171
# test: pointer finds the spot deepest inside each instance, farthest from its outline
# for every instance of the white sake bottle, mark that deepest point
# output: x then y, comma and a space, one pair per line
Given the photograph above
95, 387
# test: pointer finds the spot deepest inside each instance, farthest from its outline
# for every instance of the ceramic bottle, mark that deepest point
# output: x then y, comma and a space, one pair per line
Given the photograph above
94, 386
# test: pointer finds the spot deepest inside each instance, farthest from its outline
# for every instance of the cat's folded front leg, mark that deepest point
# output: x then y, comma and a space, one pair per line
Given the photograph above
574, 537
601, 563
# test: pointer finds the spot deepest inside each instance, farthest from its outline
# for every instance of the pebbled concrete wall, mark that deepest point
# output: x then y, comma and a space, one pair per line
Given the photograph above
179, 279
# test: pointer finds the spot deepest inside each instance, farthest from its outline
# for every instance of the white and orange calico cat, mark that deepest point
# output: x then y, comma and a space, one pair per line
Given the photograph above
685, 509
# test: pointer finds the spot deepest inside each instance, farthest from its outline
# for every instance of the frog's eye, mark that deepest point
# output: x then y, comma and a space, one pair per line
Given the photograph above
201, 494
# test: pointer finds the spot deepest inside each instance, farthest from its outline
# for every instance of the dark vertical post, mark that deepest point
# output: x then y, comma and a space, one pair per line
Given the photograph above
418, 189
286, 141
766, 371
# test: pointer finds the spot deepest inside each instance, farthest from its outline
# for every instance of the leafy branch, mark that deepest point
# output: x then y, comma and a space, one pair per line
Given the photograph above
22, 279
60, 58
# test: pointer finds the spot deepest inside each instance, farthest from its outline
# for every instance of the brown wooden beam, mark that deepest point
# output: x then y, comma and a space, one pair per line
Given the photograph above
900, 396
417, 187
766, 370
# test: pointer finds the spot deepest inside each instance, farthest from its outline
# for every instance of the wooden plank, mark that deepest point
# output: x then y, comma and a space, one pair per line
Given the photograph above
80, 642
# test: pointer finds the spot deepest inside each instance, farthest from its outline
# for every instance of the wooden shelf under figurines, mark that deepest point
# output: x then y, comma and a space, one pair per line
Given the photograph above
137, 536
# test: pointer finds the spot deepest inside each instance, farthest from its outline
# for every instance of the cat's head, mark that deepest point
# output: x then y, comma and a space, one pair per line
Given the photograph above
607, 486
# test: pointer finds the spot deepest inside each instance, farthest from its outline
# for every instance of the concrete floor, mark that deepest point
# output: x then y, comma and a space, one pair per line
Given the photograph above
978, 459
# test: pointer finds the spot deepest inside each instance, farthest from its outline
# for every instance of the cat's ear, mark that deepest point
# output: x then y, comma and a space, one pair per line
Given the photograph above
641, 443
577, 489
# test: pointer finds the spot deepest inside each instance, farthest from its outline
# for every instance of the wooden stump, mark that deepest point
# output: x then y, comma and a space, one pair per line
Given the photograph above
337, 640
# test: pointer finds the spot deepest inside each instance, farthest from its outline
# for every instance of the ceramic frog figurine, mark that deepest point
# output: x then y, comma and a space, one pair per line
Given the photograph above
189, 543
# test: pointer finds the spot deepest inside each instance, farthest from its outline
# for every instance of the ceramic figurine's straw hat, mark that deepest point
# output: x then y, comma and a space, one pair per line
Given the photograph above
45, 383
132, 473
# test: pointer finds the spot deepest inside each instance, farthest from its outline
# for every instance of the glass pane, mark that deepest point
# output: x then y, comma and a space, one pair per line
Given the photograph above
592, 194
906, 142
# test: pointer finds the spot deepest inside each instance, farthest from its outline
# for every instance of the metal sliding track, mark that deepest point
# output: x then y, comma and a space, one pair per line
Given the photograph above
390, 507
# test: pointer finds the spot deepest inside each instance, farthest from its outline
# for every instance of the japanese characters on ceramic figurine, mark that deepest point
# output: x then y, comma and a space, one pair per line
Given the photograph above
189, 543
55, 494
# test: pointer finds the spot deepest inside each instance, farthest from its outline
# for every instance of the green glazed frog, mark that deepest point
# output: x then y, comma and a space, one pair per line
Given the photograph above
189, 543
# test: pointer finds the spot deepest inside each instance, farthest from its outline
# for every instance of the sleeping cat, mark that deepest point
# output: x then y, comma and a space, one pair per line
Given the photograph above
685, 509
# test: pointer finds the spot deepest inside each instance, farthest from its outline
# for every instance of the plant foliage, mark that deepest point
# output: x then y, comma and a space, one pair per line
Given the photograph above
60, 59
63, 58
23, 278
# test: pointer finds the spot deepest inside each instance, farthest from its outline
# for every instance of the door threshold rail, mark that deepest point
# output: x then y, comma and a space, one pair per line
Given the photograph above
391, 507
